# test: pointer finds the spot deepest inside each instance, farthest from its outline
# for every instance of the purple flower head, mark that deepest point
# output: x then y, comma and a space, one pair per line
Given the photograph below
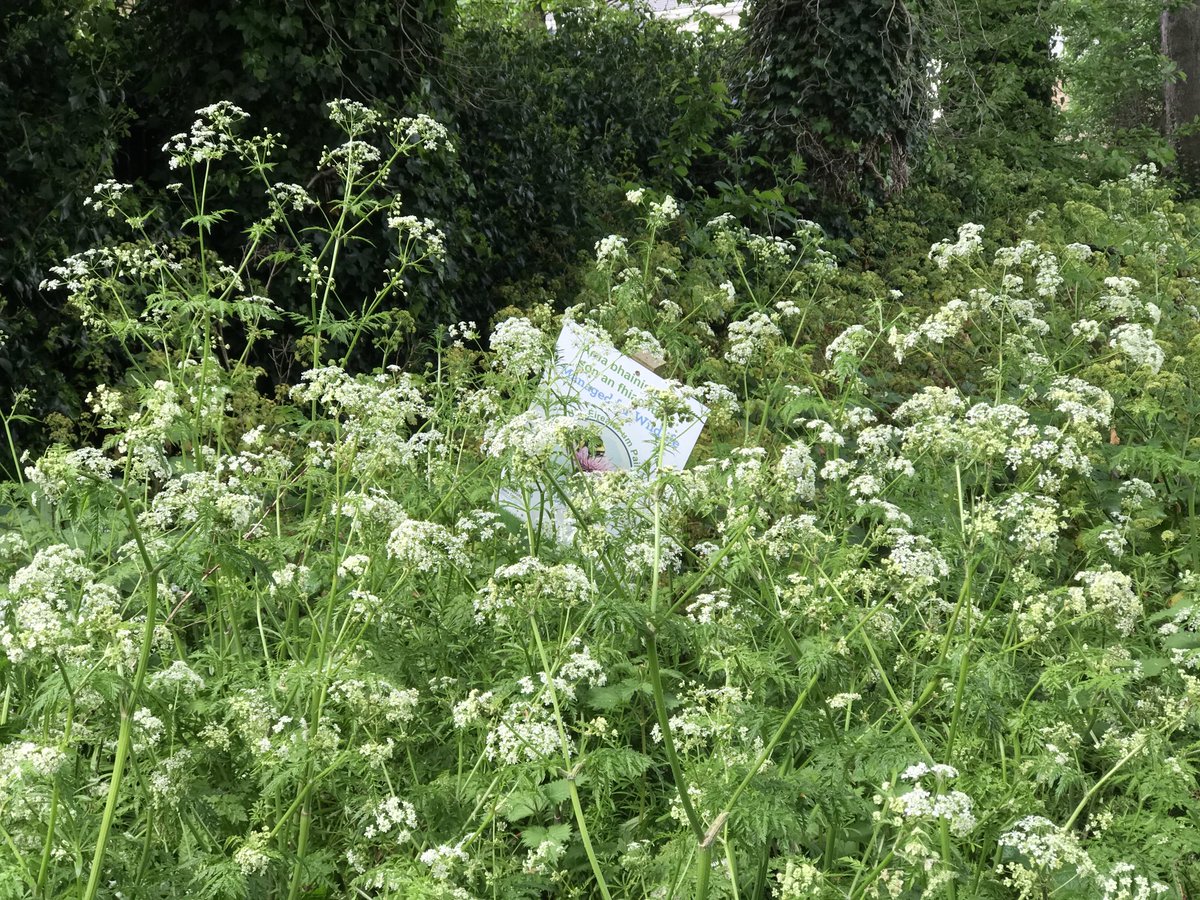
589, 463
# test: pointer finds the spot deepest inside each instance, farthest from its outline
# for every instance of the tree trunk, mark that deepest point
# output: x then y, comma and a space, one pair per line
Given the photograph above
1181, 44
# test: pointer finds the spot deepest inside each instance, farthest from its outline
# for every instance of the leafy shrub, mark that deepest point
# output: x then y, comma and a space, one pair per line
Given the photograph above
547, 122
60, 94
920, 617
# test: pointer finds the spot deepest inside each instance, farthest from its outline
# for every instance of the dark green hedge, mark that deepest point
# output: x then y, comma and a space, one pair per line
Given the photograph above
549, 126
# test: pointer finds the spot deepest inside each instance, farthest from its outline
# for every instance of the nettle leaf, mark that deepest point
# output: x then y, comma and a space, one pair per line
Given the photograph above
1183, 640
1154, 665
522, 804
613, 696
534, 836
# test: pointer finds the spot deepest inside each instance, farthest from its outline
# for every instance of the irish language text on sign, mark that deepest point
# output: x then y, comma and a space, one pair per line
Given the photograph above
593, 381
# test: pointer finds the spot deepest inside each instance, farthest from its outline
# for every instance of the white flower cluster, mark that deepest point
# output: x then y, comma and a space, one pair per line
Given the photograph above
541, 859
372, 696
525, 733
253, 857
106, 197
664, 212
1080, 253
210, 138
797, 471
25, 759
353, 566
351, 116
582, 668
425, 546
849, 344
529, 440
147, 728
1047, 277
843, 700
1136, 494
939, 804
442, 860
392, 817
938, 328
1043, 849
639, 341
54, 606
520, 348
178, 677
425, 132
88, 274
1004, 432
750, 338
915, 562
529, 584
770, 250
13, 545
610, 250
169, 780
472, 708
1122, 882
710, 715
1137, 343
290, 578
106, 404
202, 497
1109, 592
285, 197
969, 242
350, 159
1118, 300
798, 879
421, 231
933, 404
711, 608
1086, 406
62, 471
461, 332
375, 412
1030, 522
1143, 177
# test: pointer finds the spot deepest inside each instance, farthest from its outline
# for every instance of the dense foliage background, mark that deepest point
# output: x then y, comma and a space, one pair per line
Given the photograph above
278, 281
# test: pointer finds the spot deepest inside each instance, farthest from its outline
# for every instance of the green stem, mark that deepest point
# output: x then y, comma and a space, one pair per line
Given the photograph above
573, 771
301, 846
703, 871
1138, 747
52, 819
664, 726
583, 836
769, 748
895, 699
51, 822
951, 889
125, 735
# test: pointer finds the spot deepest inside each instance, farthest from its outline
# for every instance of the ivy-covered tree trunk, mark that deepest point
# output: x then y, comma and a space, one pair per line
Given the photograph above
1181, 44
842, 84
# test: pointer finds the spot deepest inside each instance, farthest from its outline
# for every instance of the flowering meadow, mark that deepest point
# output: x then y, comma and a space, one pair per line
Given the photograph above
920, 618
